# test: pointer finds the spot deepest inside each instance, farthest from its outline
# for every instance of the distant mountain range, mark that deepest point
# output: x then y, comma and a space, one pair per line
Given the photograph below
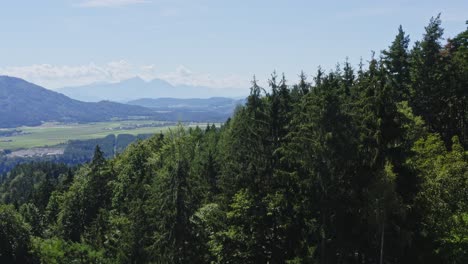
136, 88
24, 103
192, 109
220, 104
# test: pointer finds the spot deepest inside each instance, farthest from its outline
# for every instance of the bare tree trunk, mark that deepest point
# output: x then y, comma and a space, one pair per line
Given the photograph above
323, 242
382, 239
322, 246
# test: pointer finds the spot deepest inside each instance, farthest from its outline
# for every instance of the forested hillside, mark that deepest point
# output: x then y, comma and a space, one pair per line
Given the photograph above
26, 104
361, 164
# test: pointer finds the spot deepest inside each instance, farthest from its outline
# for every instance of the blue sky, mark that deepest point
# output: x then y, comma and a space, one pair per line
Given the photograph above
214, 43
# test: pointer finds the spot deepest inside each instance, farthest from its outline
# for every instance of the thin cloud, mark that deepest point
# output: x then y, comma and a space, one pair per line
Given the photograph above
111, 3
57, 76
54, 76
183, 75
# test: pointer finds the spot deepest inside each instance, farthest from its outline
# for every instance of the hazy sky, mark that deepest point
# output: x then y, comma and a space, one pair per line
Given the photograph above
216, 43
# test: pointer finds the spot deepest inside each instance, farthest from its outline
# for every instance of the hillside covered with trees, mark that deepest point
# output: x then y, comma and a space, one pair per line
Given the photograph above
26, 104
356, 165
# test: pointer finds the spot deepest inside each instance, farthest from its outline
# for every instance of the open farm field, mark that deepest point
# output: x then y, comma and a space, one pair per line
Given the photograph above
51, 134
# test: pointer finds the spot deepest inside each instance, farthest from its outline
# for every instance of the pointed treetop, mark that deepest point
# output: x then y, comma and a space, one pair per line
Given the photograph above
98, 157
303, 86
319, 77
273, 83
433, 34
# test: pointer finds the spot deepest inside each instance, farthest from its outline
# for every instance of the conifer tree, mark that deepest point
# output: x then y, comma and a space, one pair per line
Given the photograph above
397, 62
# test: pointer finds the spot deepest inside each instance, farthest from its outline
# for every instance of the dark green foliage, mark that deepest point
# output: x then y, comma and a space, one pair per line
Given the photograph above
14, 236
33, 183
89, 193
397, 63
369, 167
438, 77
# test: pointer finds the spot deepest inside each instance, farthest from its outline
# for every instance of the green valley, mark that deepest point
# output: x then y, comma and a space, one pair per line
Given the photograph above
51, 134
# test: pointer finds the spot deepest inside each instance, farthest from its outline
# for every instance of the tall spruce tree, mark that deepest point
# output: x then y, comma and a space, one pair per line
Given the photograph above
397, 62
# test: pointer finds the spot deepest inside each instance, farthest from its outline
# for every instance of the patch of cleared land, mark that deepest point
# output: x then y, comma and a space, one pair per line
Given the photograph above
34, 152
52, 134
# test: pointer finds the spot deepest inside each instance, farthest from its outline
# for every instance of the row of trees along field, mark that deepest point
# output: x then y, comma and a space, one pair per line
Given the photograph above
357, 165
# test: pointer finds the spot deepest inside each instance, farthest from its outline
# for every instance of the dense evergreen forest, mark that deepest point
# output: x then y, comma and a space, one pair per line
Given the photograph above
361, 164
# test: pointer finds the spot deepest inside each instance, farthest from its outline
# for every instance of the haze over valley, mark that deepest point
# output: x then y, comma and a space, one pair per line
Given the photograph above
137, 88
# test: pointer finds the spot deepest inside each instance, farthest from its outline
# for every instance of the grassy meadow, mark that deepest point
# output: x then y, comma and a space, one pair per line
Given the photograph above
51, 134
